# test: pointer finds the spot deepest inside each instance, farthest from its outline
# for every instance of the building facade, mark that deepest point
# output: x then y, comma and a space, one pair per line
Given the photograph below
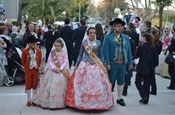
11, 8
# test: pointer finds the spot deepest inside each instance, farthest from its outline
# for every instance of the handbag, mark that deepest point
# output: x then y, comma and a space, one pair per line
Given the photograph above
170, 59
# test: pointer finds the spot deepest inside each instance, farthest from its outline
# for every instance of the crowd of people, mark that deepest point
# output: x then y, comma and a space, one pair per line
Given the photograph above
103, 58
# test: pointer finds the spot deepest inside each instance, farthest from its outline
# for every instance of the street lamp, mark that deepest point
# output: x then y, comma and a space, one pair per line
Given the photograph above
117, 11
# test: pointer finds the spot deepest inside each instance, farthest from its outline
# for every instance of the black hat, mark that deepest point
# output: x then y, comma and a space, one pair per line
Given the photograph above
117, 21
32, 39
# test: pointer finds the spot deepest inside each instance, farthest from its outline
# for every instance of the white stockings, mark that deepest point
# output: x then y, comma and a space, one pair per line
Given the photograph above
120, 91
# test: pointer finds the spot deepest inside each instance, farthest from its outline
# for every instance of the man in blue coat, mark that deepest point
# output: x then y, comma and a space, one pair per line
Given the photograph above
117, 54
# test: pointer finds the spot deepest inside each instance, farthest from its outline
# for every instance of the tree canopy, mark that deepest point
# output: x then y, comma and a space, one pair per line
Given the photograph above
52, 10
162, 4
74, 8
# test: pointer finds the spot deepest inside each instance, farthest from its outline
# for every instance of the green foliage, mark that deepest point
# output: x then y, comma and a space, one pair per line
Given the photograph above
163, 3
52, 9
172, 18
15, 23
92, 11
122, 4
44, 9
74, 8
101, 9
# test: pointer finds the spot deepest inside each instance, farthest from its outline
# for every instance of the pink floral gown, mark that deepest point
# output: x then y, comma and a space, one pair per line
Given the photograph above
89, 87
51, 89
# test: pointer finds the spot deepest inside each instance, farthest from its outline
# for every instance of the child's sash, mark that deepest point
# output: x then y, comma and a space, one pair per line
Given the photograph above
57, 63
96, 60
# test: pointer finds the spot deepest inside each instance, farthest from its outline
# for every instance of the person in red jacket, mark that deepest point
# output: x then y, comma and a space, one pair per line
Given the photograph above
31, 61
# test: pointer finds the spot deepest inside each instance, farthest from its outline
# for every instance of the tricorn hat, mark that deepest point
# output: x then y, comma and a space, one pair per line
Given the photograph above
117, 21
32, 39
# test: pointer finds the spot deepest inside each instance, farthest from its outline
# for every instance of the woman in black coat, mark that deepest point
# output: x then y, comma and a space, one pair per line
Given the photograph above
99, 32
158, 45
148, 60
171, 68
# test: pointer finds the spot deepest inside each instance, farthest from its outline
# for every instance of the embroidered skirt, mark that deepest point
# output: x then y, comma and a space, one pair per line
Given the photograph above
89, 89
51, 90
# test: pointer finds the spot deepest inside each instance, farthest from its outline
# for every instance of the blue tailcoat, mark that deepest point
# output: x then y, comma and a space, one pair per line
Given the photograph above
110, 49
111, 54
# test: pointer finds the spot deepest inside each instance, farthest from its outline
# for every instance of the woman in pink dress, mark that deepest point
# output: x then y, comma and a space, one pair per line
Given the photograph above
167, 38
89, 87
137, 22
166, 42
52, 87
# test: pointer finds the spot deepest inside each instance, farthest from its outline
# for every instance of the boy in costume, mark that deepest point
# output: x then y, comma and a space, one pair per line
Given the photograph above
31, 61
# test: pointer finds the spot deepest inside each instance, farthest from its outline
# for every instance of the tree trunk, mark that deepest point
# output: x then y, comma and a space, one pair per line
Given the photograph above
132, 3
148, 15
19, 11
109, 11
160, 16
47, 21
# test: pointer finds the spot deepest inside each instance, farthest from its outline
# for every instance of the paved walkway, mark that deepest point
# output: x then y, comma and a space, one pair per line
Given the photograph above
13, 100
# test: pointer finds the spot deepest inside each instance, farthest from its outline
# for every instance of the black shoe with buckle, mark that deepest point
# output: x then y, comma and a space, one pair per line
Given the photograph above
121, 102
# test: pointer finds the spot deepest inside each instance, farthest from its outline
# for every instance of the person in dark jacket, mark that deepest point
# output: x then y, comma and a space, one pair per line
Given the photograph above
57, 31
105, 29
171, 68
49, 40
9, 28
147, 55
66, 33
99, 32
39, 35
77, 37
129, 72
147, 26
158, 45
134, 34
